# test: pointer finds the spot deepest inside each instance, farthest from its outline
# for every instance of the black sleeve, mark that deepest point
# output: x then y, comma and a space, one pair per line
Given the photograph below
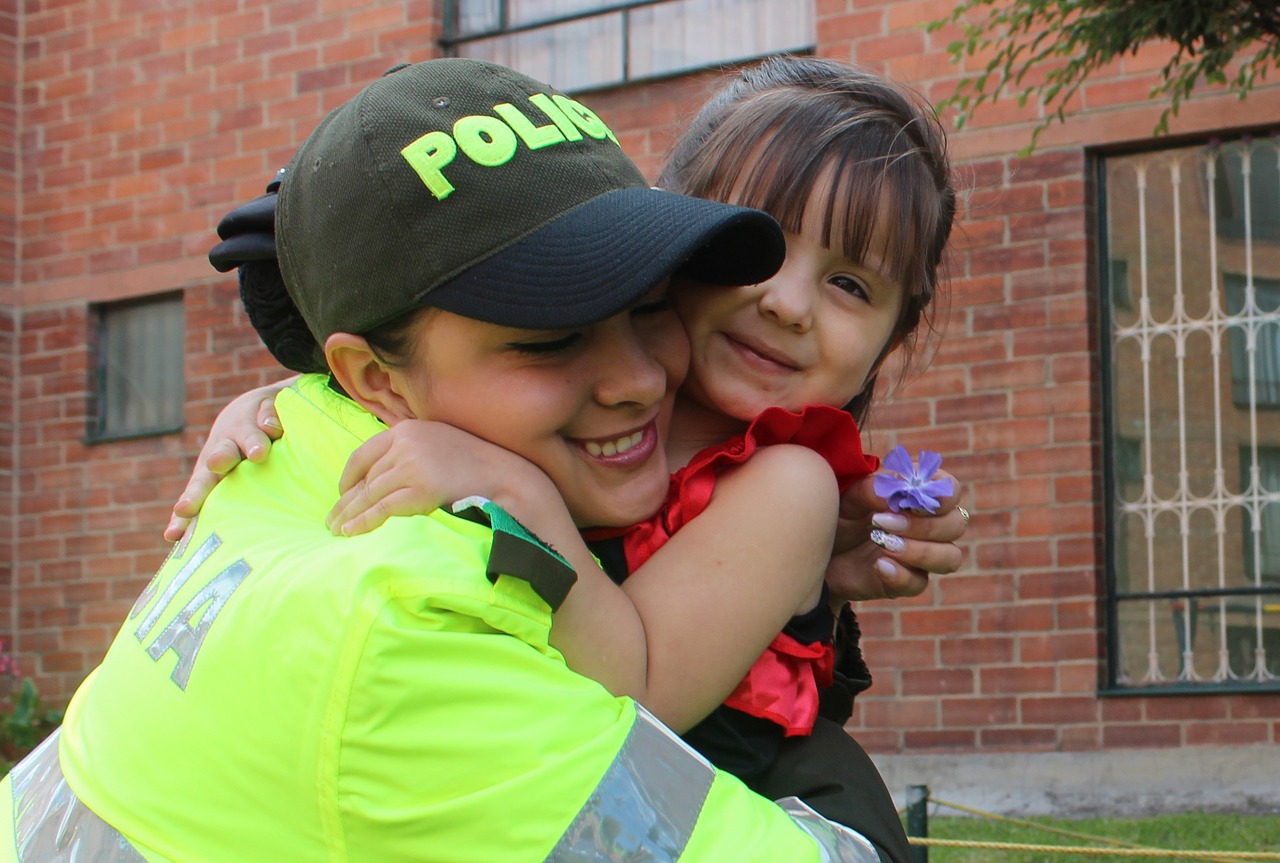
612, 556
851, 673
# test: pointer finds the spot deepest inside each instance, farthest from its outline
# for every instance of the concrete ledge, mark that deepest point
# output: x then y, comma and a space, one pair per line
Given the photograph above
1117, 783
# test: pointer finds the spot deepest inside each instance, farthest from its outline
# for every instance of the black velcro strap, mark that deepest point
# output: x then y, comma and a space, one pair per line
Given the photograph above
517, 552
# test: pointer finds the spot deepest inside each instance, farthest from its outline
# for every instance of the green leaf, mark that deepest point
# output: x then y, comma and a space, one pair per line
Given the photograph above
1206, 36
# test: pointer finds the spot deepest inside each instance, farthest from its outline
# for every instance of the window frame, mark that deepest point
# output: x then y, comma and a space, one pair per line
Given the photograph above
96, 413
1101, 274
450, 39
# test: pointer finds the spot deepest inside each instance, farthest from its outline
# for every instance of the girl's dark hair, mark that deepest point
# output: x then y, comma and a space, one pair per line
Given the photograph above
769, 139
282, 329
277, 319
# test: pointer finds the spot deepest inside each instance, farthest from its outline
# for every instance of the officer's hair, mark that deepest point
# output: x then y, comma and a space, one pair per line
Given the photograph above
282, 329
772, 136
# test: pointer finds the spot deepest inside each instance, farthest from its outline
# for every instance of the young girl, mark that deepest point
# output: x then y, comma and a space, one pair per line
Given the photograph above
855, 171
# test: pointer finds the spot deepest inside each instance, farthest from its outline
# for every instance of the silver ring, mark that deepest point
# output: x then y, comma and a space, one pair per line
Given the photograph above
964, 513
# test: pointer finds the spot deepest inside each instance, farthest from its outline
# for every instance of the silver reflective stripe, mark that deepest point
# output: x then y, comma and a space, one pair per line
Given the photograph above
839, 844
51, 825
647, 804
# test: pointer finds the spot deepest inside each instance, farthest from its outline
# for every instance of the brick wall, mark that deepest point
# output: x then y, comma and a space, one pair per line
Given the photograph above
9, 72
142, 122
1008, 654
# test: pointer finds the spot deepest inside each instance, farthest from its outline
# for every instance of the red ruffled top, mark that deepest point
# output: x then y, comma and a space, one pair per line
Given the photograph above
783, 684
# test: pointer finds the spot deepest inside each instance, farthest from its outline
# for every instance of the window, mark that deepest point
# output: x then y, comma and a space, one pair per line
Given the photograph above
1247, 191
138, 386
1255, 339
1192, 377
584, 44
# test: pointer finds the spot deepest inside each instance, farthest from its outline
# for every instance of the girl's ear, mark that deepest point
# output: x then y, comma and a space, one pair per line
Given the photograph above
367, 379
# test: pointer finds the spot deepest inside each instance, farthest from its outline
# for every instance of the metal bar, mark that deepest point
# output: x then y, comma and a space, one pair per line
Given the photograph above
1202, 593
918, 820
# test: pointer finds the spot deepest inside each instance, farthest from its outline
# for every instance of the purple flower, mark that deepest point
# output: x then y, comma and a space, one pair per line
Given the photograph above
909, 487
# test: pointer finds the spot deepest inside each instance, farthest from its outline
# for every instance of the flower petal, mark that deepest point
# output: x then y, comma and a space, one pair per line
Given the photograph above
930, 461
887, 486
899, 461
900, 500
912, 500
938, 487
926, 502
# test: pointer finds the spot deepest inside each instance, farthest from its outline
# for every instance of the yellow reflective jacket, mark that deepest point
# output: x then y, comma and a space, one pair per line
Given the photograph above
281, 694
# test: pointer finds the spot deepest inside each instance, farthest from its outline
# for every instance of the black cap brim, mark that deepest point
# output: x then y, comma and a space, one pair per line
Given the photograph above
605, 255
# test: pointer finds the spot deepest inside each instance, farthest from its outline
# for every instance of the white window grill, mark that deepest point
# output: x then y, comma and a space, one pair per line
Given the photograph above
1191, 266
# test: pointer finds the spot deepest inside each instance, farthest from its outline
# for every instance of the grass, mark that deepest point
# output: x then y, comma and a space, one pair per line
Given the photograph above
1190, 831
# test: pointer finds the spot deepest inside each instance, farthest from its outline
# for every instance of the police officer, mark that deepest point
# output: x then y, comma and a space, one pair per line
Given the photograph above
278, 693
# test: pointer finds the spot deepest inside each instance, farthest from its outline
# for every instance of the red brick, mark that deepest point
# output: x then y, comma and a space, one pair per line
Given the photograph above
1056, 522
899, 44
1046, 282
1064, 710
1010, 258
1023, 617
941, 741
979, 712
941, 681
1148, 735
855, 26
1234, 734
903, 713
1056, 646
1019, 739
1017, 679
1056, 584
994, 406
916, 622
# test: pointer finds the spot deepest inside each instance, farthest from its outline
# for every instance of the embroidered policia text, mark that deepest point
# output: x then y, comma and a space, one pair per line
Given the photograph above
186, 630
491, 141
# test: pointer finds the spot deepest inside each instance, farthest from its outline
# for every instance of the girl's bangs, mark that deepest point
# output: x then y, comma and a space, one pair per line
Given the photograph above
876, 187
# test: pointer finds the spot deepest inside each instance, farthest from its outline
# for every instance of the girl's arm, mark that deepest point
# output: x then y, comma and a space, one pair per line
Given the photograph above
682, 631
245, 428
730, 579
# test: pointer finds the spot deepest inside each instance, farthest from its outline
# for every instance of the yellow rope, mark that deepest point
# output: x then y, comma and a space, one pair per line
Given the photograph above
1138, 850
1033, 825
1111, 852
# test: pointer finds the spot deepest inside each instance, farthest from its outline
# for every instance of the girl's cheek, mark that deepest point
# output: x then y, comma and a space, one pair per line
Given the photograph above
674, 353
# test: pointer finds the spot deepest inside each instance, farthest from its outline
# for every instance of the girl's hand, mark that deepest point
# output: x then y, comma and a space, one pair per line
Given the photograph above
906, 548
418, 466
245, 428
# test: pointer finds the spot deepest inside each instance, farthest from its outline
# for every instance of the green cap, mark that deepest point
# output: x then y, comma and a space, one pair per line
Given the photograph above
467, 186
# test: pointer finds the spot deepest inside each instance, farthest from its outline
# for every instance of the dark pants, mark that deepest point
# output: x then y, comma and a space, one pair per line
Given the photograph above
830, 771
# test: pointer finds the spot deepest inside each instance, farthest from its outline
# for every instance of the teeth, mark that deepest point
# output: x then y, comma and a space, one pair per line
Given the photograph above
614, 447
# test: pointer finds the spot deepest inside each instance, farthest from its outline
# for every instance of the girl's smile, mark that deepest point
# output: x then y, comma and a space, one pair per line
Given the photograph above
759, 354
